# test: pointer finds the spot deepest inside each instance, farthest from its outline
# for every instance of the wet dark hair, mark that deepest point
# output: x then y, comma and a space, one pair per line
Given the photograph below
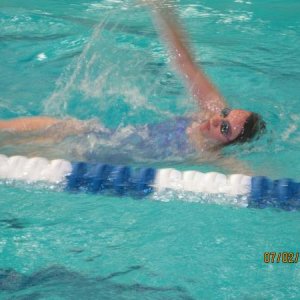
254, 126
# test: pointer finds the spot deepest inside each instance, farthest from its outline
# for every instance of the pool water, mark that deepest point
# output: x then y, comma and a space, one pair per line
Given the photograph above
103, 60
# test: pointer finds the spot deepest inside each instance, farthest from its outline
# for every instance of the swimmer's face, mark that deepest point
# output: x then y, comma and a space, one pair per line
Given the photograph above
224, 127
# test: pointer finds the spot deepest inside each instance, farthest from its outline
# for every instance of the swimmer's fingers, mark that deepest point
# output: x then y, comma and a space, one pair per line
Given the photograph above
158, 4
149, 2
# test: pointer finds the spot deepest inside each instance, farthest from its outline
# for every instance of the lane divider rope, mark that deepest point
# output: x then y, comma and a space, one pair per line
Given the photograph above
260, 191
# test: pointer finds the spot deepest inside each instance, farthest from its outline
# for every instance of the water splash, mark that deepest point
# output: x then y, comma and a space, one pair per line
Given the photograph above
111, 74
56, 104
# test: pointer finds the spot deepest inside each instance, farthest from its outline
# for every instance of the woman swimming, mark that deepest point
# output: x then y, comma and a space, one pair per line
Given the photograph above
215, 126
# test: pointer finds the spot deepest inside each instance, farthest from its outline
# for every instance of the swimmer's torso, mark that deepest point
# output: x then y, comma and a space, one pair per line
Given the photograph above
90, 141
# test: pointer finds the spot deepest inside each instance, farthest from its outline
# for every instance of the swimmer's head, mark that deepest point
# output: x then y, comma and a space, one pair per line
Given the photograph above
233, 126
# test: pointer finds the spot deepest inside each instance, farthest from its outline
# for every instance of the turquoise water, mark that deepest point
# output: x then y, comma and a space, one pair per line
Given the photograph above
103, 60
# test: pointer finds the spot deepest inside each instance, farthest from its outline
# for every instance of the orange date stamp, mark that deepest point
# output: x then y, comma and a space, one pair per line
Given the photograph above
281, 257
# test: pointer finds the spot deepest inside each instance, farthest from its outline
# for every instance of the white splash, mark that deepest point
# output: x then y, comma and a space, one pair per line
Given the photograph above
41, 56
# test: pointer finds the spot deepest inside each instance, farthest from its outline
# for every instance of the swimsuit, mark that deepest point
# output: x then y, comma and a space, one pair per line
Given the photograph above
163, 141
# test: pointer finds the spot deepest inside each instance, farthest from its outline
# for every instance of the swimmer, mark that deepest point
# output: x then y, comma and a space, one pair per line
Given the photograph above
215, 126
217, 123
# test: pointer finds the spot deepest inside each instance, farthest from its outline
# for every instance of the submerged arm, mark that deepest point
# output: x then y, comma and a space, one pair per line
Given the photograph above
39, 130
203, 90
27, 124
234, 166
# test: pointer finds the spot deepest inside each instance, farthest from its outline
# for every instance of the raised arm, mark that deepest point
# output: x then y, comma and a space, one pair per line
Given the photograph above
207, 95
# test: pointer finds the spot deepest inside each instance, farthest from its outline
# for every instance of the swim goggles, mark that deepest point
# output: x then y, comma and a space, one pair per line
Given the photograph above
225, 125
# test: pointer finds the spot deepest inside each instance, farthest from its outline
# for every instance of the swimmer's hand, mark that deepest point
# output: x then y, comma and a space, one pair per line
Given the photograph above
161, 7
155, 3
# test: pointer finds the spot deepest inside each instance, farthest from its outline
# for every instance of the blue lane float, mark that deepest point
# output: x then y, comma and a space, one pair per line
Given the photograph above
256, 192
283, 193
96, 178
